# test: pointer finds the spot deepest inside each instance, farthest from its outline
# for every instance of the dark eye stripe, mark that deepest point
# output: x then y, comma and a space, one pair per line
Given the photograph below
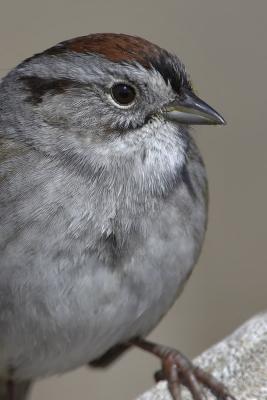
38, 87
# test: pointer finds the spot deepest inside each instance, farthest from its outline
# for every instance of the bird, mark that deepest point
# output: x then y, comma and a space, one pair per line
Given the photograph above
103, 207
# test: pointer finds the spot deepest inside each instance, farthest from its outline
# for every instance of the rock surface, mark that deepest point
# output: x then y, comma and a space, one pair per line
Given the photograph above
240, 361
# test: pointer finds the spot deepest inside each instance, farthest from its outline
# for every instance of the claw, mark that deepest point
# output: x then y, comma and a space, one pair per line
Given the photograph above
159, 376
172, 376
177, 370
213, 384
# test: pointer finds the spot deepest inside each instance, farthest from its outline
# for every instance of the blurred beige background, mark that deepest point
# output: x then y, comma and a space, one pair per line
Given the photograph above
223, 43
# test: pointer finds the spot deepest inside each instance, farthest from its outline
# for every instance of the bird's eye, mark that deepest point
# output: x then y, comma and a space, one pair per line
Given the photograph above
123, 94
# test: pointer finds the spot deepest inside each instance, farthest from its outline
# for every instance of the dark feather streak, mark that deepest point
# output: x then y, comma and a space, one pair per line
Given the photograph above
187, 181
38, 87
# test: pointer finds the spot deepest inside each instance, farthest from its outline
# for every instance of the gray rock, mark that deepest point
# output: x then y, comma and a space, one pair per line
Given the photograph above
240, 361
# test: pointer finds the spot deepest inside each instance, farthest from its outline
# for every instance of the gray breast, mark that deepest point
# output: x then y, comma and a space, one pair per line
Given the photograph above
63, 303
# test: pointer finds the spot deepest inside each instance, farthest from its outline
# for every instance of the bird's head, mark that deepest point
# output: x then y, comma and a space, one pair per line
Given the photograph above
110, 91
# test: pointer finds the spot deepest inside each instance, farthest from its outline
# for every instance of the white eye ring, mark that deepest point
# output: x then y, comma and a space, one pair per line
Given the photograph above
123, 94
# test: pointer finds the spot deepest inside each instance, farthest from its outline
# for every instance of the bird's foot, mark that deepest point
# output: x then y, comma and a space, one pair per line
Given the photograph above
10, 385
10, 389
177, 370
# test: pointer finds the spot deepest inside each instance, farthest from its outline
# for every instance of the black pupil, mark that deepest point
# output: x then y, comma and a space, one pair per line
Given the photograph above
122, 93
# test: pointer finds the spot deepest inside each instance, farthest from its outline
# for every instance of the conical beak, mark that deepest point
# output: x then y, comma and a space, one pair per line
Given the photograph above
192, 111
